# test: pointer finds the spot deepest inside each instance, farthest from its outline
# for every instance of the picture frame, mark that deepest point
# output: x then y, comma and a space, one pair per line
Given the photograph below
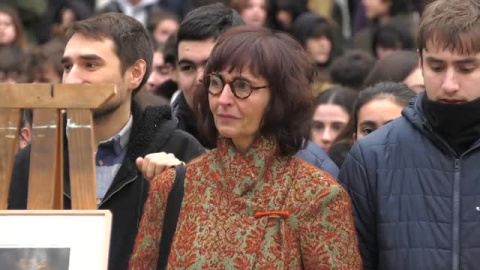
55, 239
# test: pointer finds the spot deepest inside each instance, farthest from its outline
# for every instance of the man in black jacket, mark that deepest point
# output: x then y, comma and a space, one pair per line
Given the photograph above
115, 49
414, 183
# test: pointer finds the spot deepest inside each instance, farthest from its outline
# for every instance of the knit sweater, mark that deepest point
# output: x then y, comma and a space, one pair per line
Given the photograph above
221, 223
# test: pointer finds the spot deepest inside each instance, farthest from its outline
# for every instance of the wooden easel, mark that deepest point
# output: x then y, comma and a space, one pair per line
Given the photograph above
46, 159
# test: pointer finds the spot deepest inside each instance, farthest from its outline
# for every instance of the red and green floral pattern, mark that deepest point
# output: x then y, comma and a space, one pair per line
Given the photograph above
217, 228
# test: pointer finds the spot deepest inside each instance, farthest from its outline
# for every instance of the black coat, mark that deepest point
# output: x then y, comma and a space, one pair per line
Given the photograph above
416, 203
154, 130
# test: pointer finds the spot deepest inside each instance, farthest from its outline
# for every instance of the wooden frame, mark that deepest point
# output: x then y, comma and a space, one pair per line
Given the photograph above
46, 160
83, 236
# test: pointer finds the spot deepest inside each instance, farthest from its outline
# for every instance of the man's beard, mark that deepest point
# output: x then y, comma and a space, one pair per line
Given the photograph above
101, 112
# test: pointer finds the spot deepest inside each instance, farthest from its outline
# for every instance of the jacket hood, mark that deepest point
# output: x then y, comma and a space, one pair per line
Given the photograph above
414, 113
303, 26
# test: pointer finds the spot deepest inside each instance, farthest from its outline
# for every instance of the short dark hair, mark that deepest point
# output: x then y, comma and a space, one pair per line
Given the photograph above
286, 67
395, 67
392, 36
310, 25
132, 41
338, 95
207, 22
452, 24
352, 68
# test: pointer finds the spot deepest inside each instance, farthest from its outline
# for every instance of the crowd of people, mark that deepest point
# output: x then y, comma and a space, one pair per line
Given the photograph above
281, 134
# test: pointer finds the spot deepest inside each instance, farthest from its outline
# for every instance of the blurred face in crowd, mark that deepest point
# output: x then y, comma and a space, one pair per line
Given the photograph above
161, 72
68, 17
285, 19
91, 61
375, 114
327, 123
376, 8
320, 49
236, 118
9, 77
165, 29
450, 77
47, 74
7, 29
415, 81
255, 13
382, 52
192, 58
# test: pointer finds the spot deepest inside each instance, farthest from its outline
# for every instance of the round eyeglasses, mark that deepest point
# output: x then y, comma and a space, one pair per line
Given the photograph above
241, 88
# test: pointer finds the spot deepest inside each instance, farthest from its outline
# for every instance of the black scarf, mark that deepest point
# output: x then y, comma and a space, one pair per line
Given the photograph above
458, 124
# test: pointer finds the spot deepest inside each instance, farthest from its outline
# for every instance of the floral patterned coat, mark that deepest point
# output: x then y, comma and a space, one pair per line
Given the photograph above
226, 219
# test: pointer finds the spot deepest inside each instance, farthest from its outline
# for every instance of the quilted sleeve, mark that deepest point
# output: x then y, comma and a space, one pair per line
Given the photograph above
356, 180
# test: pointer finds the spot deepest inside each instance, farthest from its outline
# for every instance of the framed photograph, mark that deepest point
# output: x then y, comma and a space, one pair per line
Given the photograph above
55, 239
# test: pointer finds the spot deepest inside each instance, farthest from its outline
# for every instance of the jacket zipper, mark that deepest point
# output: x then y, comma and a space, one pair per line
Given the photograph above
113, 193
456, 216
117, 190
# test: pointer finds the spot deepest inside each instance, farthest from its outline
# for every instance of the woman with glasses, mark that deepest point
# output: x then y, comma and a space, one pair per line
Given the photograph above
250, 203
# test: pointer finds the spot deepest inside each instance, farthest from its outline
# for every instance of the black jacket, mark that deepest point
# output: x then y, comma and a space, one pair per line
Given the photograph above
154, 130
416, 202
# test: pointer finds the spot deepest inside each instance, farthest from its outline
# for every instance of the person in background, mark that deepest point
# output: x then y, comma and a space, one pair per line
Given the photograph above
162, 80
196, 37
142, 10
332, 111
319, 38
283, 13
11, 30
390, 98
66, 13
10, 65
379, 105
42, 64
400, 66
338, 11
25, 134
391, 37
380, 12
163, 25
352, 68
253, 12
375, 107
250, 203
414, 182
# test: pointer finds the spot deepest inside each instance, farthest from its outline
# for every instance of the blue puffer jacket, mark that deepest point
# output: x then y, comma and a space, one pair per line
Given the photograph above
416, 203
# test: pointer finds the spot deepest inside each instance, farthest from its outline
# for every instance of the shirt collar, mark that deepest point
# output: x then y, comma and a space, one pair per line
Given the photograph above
120, 140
